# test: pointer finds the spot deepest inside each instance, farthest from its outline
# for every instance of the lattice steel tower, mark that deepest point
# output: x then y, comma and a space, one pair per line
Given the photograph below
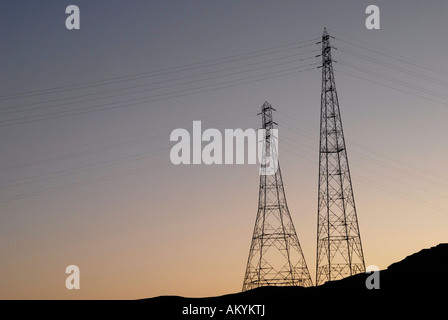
339, 250
275, 257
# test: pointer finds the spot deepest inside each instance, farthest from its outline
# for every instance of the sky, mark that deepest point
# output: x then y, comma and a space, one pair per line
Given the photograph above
86, 116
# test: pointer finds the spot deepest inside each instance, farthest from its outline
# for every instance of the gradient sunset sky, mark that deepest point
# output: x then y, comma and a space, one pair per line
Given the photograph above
86, 117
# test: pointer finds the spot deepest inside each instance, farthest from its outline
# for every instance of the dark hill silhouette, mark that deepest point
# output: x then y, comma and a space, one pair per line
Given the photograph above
417, 283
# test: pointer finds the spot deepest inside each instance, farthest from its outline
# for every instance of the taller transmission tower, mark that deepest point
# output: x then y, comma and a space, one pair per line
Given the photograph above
275, 257
339, 250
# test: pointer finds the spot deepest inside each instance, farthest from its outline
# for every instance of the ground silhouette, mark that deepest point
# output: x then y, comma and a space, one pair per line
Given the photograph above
417, 283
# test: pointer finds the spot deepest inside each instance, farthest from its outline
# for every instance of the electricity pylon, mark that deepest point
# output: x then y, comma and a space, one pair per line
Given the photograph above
275, 257
339, 249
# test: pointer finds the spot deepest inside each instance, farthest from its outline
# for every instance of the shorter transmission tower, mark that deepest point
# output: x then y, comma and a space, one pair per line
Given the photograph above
275, 257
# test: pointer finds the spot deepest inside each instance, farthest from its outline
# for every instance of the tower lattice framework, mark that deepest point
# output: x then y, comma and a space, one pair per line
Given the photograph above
275, 257
339, 249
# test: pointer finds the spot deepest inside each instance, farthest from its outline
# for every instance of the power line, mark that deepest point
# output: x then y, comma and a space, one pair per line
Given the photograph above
83, 169
402, 83
391, 87
369, 181
158, 72
390, 55
103, 107
86, 182
115, 94
114, 146
399, 168
394, 67
91, 167
227, 110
